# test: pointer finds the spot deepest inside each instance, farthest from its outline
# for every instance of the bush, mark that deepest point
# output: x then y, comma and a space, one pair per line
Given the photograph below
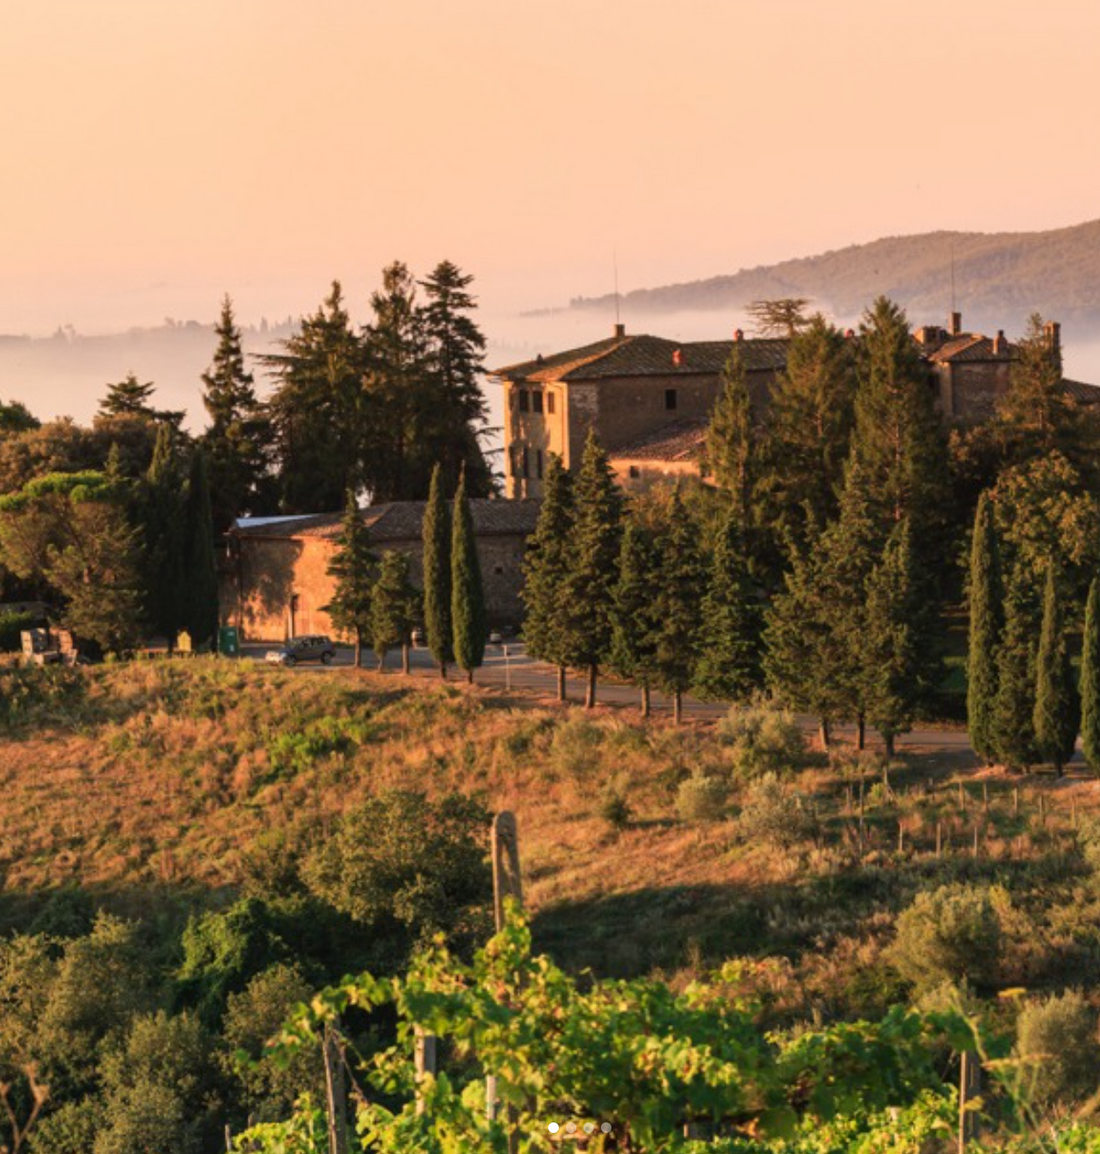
775, 814
702, 798
575, 747
615, 809
1057, 1037
762, 739
950, 934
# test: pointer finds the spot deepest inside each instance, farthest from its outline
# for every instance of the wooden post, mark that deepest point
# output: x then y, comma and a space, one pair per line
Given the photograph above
962, 798
985, 796
507, 883
970, 1086
425, 1062
939, 838
1073, 814
975, 853
901, 838
336, 1098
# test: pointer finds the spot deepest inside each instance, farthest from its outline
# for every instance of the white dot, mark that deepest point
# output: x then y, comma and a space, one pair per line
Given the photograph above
570, 1127
605, 1127
553, 1127
588, 1127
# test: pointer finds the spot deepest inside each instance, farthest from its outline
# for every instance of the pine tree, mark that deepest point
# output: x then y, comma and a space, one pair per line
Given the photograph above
437, 575
1090, 678
399, 451
544, 570
352, 568
809, 428
159, 509
633, 620
588, 588
1036, 415
896, 636
1014, 738
898, 436
393, 608
128, 398
467, 593
986, 606
455, 353
676, 603
201, 615
730, 450
1056, 707
238, 434
728, 668
318, 410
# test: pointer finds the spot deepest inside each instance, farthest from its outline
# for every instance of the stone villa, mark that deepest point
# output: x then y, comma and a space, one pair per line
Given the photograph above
649, 399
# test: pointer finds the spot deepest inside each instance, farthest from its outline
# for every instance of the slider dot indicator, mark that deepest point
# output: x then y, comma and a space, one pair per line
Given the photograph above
570, 1127
588, 1127
605, 1127
553, 1127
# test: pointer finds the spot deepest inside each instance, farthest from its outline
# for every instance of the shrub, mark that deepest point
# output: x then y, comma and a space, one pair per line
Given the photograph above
575, 747
775, 814
948, 935
615, 809
295, 752
1057, 1037
762, 739
702, 798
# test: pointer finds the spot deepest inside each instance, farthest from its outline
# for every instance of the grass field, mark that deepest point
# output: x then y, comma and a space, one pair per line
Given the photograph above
156, 786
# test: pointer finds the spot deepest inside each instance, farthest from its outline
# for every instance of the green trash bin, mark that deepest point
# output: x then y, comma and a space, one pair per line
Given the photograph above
229, 644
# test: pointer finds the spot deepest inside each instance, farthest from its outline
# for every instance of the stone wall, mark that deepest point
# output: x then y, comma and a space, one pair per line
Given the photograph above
275, 587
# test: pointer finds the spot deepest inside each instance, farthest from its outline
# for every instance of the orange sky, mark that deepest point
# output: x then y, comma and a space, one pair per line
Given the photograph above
156, 153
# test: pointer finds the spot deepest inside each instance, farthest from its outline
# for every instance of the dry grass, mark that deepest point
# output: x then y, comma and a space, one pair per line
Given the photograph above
165, 774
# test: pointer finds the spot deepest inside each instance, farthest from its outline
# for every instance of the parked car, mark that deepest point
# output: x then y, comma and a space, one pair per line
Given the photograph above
496, 637
309, 648
418, 639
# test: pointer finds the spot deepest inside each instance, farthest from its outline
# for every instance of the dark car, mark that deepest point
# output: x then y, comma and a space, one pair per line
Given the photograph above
308, 648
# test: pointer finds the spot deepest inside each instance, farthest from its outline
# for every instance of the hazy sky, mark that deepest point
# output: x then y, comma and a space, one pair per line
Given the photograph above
156, 153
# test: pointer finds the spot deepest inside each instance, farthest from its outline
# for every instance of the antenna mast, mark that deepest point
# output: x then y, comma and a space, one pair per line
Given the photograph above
952, 275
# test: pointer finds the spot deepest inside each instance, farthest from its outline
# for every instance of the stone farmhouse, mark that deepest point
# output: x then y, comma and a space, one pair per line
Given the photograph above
275, 581
649, 399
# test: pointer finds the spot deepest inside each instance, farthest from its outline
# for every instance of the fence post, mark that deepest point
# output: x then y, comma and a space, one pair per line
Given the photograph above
425, 1056
970, 1086
507, 883
336, 1099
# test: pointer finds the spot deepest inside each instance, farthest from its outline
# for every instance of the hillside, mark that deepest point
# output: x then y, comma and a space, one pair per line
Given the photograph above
164, 784
1000, 278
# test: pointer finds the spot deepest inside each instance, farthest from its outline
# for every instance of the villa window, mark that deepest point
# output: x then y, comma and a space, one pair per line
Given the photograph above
550, 403
670, 400
523, 405
536, 402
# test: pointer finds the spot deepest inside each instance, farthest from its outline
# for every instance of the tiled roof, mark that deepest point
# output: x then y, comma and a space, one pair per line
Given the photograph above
402, 521
637, 356
973, 347
1080, 391
678, 441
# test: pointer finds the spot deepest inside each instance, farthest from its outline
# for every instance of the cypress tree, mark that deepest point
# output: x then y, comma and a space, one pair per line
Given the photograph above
809, 427
238, 434
633, 620
898, 437
729, 659
986, 605
897, 650
676, 604
393, 605
591, 562
544, 569
352, 569
1056, 706
201, 601
467, 593
1014, 738
437, 575
160, 510
730, 444
1090, 679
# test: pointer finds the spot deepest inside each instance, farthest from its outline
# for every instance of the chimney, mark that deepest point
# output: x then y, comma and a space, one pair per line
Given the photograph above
850, 334
738, 335
1053, 331
956, 325
677, 357
620, 330
999, 343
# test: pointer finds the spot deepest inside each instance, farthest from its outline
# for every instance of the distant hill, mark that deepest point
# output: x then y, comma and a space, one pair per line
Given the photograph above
1000, 279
